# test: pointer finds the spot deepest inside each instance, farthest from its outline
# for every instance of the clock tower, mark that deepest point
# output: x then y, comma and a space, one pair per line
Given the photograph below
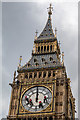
41, 90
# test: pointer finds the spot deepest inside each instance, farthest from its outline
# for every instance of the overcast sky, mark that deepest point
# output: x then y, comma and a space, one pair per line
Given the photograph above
20, 21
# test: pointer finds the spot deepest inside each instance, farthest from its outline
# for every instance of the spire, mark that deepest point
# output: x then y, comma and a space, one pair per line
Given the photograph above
50, 10
47, 32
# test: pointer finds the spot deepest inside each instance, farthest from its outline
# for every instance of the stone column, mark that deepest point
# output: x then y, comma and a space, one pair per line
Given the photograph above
49, 48
40, 48
51, 73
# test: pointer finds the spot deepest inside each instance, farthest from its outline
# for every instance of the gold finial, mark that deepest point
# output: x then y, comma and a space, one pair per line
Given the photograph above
50, 9
20, 59
55, 32
62, 58
36, 34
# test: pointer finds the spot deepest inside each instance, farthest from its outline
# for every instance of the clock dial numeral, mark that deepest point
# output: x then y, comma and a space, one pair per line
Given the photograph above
35, 108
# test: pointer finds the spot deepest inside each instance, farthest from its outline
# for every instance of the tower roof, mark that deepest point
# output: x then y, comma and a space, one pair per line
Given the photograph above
47, 32
41, 61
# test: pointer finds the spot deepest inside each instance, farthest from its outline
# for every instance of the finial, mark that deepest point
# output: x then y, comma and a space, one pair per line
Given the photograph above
36, 34
50, 9
14, 76
55, 32
59, 43
62, 58
20, 59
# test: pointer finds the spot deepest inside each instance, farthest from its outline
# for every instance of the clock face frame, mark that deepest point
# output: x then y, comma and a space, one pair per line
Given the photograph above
36, 98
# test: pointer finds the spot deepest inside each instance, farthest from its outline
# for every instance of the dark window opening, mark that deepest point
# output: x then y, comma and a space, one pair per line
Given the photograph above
37, 64
51, 48
57, 83
54, 61
61, 93
46, 34
43, 59
30, 76
49, 74
47, 48
51, 58
57, 93
35, 75
29, 118
40, 74
44, 48
38, 49
49, 29
62, 82
26, 76
28, 64
57, 103
44, 75
34, 118
41, 48
46, 63
39, 118
53, 73
60, 104
35, 60
45, 118
50, 118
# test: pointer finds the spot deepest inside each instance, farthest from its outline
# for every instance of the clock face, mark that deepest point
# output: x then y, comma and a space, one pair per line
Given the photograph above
36, 98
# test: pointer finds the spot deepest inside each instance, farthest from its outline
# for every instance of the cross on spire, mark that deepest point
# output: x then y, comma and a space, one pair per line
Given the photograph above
50, 9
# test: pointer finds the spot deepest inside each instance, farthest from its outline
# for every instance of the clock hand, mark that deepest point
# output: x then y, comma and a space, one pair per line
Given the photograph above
37, 95
40, 104
31, 103
45, 100
26, 99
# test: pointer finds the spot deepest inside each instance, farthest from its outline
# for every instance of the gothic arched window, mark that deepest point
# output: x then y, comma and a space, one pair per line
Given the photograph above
51, 48
38, 49
44, 48
41, 48
48, 48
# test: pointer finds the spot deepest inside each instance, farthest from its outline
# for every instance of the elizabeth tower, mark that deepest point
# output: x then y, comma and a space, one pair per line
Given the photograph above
41, 90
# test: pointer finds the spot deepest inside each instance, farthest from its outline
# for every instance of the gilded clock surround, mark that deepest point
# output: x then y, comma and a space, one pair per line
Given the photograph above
49, 106
45, 68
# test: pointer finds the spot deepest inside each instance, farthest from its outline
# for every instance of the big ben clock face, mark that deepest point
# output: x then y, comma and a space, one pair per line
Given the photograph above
36, 98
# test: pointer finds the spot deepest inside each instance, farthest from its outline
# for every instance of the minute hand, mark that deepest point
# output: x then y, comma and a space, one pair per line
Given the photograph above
37, 95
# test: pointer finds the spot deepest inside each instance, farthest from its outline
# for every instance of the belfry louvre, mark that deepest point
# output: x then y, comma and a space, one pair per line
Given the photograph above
41, 90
